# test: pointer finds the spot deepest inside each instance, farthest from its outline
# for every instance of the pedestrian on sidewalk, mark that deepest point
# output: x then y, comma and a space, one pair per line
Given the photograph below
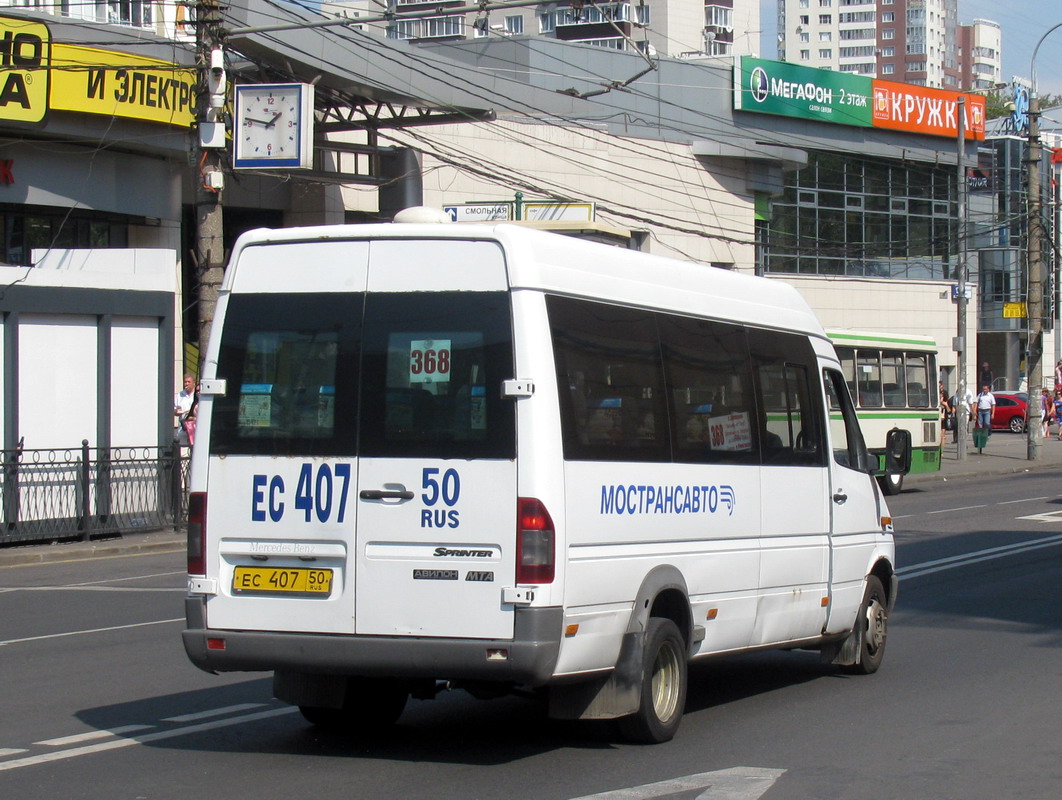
1047, 412
986, 401
1058, 411
947, 411
987, 375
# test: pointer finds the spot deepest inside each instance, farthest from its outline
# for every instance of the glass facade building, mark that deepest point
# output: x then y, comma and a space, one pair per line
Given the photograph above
880, 218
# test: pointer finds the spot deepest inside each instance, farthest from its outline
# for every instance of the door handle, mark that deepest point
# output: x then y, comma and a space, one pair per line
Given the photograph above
385, 494
840, 498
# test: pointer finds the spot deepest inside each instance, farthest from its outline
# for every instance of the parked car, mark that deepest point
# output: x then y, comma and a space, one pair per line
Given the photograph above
1011, 412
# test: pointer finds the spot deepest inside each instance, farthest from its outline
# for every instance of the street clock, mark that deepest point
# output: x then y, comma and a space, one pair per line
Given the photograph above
273, 126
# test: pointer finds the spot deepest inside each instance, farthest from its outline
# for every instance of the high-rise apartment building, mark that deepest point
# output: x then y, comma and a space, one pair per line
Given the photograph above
980, 54
665, 27
914, 41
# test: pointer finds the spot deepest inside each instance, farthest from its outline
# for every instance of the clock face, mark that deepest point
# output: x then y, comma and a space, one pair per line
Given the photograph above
270, 121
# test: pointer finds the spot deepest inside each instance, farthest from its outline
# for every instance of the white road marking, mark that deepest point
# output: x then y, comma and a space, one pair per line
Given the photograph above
133, 578
115, 744
86, 588
977, 556
213, 712
12, 751
90, 630
92, 736
960, 508
1047, 516
966, 508
736, 783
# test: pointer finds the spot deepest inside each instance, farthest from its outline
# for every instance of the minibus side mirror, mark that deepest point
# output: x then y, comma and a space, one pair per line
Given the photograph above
898, 452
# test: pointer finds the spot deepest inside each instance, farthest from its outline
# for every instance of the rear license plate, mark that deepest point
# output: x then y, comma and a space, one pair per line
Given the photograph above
282, 580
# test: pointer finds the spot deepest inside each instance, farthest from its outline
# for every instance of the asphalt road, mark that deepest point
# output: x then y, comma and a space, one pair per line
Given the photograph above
99, 700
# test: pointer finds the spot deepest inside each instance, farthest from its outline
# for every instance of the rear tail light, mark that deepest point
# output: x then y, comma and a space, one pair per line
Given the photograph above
197, 533
535, 542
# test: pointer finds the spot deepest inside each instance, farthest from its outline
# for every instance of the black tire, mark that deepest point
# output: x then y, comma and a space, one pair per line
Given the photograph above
872, 627
663, 689
369, 706
891, 484
1016, 425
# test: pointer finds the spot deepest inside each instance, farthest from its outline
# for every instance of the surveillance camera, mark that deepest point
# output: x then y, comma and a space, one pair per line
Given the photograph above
217, 62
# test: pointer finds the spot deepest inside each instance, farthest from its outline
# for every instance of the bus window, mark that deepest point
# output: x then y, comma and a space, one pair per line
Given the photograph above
893, 379
709, 390
918, 386
609, 359
868, 378
848, 367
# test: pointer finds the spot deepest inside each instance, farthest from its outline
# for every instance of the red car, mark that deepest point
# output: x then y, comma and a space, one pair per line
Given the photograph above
1011, 412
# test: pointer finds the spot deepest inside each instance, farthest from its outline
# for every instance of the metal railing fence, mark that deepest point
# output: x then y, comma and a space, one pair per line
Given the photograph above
90, 492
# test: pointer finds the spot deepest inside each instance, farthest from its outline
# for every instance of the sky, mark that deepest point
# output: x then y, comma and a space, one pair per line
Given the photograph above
1023, 22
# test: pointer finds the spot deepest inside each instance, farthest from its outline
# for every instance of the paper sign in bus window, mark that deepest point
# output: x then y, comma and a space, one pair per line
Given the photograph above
429, 360
478, 408
730, 432
256, 405
326, 407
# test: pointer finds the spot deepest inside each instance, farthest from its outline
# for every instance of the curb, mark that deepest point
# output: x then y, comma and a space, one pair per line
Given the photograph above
80, 551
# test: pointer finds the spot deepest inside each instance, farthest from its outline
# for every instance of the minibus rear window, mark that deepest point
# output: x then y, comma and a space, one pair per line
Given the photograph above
289, 362
432, 373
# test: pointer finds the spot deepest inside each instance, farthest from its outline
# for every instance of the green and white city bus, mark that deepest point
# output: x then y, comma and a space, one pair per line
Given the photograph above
892, 379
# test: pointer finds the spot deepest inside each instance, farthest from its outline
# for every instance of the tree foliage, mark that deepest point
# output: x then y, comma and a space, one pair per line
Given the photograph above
999, 103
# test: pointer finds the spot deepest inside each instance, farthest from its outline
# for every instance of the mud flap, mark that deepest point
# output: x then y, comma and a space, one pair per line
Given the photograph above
616, 695
842, 653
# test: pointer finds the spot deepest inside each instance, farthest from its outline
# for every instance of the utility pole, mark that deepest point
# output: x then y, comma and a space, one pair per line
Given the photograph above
962, 412
1034, 253
210, 108
1035, 310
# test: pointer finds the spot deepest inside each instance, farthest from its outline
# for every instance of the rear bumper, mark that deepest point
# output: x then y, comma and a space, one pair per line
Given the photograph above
532, 652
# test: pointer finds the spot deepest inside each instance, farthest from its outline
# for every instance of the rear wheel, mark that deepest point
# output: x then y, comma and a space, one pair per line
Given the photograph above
663, 690
871, 627
369, 706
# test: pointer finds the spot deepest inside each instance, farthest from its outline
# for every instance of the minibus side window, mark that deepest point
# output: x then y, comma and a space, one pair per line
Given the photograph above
790, 429
432, 370
848, 367
709, 386
286, 360
845, 435
610, 382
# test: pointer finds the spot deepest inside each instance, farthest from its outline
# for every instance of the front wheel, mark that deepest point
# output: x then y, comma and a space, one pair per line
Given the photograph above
663, 690
1017, 425
871, 628
891, 484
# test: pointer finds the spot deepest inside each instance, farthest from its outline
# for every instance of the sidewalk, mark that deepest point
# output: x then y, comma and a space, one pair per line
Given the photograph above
1005, 453
164, 541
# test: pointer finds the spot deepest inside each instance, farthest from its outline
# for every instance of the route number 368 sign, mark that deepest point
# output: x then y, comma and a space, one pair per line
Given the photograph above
429, 360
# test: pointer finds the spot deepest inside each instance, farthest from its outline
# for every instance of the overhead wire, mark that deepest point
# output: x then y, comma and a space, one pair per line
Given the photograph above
612, 164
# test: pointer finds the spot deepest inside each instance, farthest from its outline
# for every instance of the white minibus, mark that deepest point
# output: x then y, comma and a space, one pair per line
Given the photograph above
438, 455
